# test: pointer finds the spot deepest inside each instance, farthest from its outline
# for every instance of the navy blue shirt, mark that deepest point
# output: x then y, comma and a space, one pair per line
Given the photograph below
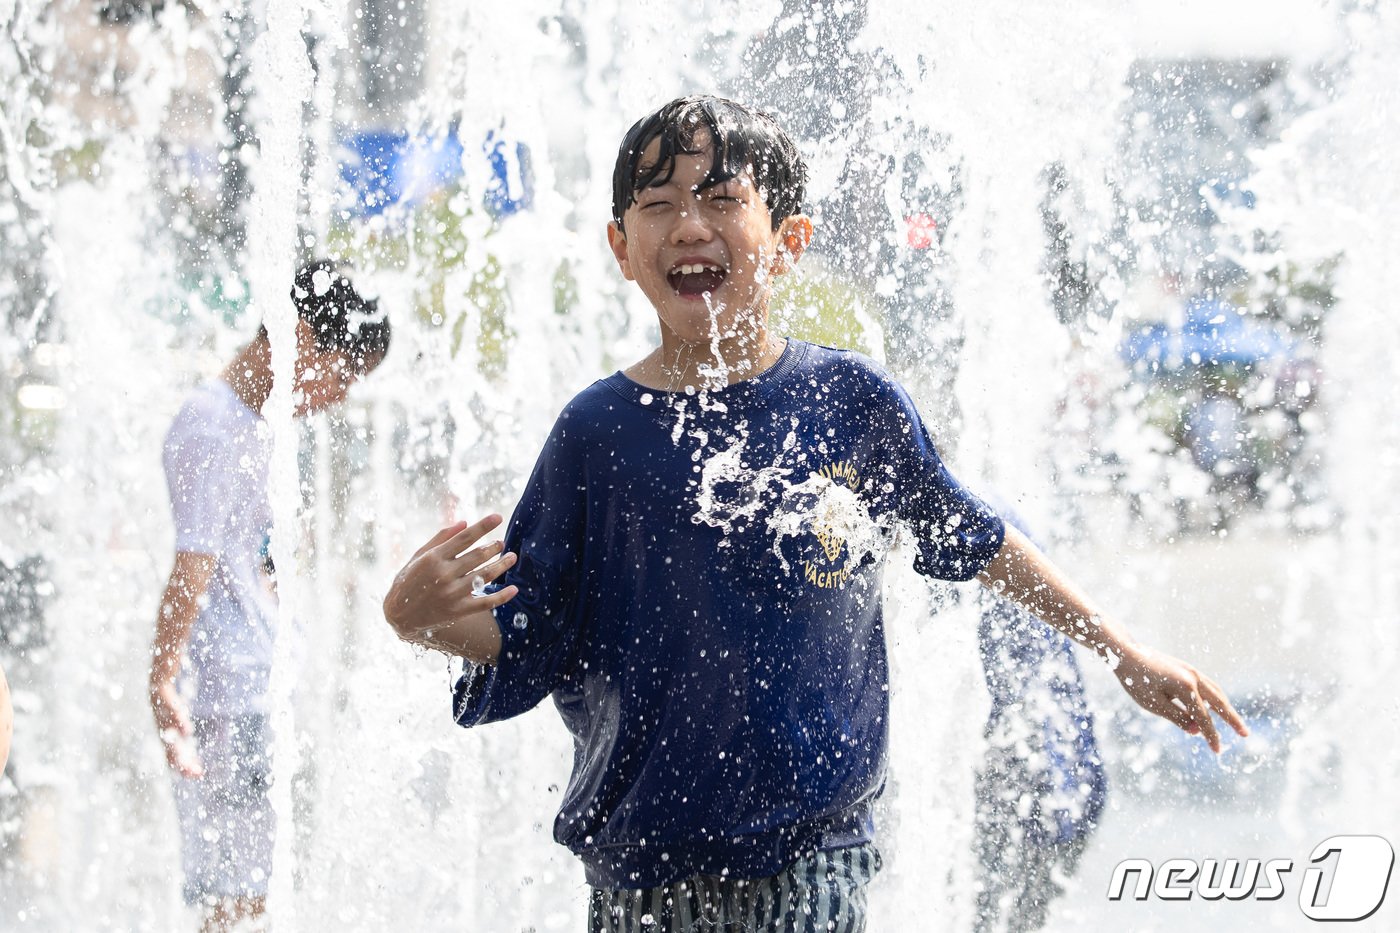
711, 634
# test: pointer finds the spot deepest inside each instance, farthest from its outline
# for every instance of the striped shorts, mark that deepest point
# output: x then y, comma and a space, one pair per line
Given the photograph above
822, 893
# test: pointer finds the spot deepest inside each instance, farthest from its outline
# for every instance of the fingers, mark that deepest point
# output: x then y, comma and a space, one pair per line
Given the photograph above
1221, 704
180, 757
1184, 707
498, 598
480, 555
1186, 697
1175, 711
1189, 715
1194, 715
191, 767
439, 538
471, 582
466, 602
462, 540
497, 567
1201, 713
172, 721
458, 598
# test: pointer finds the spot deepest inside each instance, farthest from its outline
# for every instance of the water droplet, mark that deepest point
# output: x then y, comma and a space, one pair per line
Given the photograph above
646, 398
521, 620
478, 585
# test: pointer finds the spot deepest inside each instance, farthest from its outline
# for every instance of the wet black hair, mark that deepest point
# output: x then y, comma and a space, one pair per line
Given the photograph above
741, 138
341, 320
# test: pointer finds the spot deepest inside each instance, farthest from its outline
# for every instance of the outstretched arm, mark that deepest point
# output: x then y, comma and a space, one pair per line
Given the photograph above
436, 599
179, 607
1159, 683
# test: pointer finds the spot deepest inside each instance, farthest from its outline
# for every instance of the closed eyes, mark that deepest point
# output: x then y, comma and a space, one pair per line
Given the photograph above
723, 200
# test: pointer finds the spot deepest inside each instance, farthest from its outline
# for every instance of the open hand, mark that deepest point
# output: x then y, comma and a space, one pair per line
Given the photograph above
176, 731
1178, 692
442, 583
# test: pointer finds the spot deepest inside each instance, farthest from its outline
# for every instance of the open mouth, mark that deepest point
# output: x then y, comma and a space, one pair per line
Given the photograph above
691, 280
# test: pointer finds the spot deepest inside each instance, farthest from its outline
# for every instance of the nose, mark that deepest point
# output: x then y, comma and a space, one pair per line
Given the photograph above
692, 226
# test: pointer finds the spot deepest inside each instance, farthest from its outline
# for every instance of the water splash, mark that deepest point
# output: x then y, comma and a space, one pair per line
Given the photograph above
731, 495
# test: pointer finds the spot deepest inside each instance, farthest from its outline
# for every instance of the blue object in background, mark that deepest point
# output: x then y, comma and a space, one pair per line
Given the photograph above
1213, 332
512, 187
1159, 761
1229, 192
387, 167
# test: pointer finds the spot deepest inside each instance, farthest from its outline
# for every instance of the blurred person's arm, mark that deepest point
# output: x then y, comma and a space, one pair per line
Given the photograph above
1159, 683
435, 600
179, 608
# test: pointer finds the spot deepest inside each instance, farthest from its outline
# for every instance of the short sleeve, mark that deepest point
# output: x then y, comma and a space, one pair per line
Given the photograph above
539, 627
958, 535
199, 476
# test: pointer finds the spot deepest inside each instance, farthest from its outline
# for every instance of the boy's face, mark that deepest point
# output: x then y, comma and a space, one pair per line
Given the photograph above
705, 258
323, 377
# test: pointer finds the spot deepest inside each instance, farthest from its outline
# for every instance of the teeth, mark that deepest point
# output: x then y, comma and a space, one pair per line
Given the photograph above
687, 269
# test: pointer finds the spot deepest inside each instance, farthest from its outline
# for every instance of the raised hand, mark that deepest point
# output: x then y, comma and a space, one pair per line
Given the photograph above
441, 586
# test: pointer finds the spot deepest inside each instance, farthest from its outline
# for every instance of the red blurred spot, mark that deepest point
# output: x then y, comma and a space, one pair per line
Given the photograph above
923, 230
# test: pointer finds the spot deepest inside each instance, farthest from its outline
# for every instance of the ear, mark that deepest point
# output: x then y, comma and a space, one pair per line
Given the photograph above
617, 242
794, 235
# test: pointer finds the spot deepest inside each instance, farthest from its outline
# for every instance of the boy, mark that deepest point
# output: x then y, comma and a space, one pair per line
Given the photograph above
219, 605
693, 571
